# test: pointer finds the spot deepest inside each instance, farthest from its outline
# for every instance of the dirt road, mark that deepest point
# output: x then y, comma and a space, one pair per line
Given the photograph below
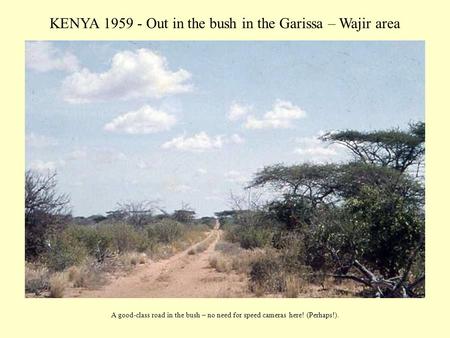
182, 275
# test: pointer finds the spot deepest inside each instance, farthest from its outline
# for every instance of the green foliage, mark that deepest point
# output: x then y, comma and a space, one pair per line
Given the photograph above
371, 210
292, 212
390, 228
166, 231
393, 148
96, 241
250, 237
123, 237
45, 210
184, 216
313, 182
64, 251
267, 274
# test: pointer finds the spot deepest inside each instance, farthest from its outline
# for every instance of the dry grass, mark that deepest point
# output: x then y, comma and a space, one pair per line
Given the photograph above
129, 260
75, 276
58, 283
37, 278
220, 263
228, 248
201, 247
164, 251
276, 282
88, 275
142, 258
293, 286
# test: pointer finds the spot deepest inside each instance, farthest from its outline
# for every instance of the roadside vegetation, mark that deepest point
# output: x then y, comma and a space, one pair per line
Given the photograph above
335, 229
63, 251
348, 229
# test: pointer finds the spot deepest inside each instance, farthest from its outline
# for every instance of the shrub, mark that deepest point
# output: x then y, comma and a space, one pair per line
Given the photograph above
220, 263
293, 286
36, 278
123, 236
129, 260
166, 231
57, 285
267, 273
96, 242
45, 210
251, 236
228, 248
89, 274
65, 251
142, 258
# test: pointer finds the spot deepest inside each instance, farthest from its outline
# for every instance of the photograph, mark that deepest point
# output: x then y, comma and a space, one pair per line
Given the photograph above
224, 169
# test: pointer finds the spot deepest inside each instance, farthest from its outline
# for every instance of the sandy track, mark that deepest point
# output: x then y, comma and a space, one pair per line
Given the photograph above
181, 275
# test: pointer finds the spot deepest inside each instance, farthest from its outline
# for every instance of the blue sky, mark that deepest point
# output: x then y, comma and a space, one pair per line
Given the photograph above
191, 121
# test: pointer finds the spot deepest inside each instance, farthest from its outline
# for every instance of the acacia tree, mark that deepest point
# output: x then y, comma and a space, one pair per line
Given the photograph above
45, 208
303, 188
393, 148
184, 215
367, 215
137, 213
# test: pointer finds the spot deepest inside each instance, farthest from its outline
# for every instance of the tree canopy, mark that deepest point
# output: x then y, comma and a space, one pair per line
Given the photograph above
392, 148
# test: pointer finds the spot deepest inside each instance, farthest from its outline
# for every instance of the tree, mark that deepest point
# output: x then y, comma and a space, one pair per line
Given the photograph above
393, 148
137, 213
365, 218
303, 187
384, 218
184, 215
45, 208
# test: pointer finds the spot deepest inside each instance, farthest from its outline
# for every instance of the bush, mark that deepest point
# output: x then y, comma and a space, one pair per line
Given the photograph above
251, 237
36, 278
266, 273
228, 248
57, 285
220, 263
166, 231
89, 274
123, 237
45, 210
65, 251
293, 286
97, 242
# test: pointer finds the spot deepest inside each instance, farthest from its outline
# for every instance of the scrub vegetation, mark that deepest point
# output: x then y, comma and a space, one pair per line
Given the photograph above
349, 229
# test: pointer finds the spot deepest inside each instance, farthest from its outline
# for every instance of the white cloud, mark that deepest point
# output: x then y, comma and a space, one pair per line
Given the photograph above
235, 138
133, 74
46, 166
202, 142
313, 149
39, 141
98, 155
238, 111
77, 154
42, 56
143, 164
108, 156
202, 171
281, 116
179, 188
198, 143
145, 120
234, 176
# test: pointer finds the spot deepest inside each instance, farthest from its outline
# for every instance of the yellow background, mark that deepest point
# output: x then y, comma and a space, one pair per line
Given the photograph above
20, 317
